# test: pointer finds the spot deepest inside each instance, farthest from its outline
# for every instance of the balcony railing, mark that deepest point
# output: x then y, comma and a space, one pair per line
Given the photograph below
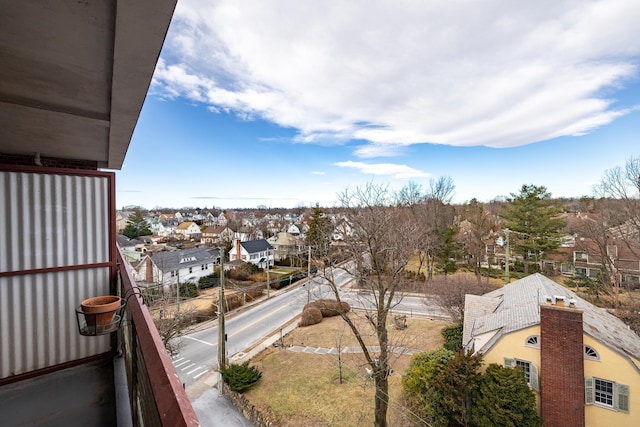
156, 395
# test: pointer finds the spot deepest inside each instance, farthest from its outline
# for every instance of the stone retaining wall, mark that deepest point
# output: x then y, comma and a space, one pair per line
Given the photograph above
248, 410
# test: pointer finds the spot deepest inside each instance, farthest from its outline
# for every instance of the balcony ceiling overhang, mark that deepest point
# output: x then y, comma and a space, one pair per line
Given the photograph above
74, 75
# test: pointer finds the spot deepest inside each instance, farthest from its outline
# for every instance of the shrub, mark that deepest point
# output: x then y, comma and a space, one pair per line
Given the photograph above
240, 377
210, 281
452, 336
310, 316
329, 307
188, 290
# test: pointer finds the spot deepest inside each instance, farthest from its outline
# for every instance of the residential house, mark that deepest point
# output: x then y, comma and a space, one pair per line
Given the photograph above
74, 78
342, 228
242, 234
217, 234
287, 246
188, 230
258, 252
293, 229
580, 256
189, 265
221, 220
582, 362
122, 218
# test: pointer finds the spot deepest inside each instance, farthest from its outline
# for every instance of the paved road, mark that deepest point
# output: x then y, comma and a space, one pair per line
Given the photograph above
199, 350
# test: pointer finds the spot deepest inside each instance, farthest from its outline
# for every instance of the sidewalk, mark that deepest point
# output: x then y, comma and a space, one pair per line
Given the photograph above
215, 410
334, 350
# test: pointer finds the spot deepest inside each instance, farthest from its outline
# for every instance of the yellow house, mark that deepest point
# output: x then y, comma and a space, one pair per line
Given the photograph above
582, 362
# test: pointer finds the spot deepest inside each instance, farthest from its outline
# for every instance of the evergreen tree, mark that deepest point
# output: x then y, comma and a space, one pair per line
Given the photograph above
448, 251
533, 215
419, 378
505, 399
455, 388
319, 234
137, 226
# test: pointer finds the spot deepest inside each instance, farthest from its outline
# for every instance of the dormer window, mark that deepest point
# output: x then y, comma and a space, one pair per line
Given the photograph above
188, 259
533, 341
590, 353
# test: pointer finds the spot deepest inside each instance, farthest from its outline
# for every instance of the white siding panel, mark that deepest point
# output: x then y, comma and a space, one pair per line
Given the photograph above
37, 319
52, 221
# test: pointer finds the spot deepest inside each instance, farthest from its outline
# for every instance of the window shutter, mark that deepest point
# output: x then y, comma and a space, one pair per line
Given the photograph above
533, 377
508, 362
588, 391
622, 398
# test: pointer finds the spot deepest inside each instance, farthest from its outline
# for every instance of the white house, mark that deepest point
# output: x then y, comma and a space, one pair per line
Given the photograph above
189, 230
169, 268
257, 252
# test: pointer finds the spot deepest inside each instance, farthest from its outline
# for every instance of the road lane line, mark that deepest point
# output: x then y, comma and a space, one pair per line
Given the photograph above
258, 320
201, 341
188, 366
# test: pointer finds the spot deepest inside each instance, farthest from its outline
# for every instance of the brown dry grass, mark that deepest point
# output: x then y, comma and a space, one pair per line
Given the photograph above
301, 389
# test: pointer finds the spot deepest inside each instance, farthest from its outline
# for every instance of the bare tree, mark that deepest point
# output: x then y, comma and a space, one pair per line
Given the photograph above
172, 322
383, 239
449, 294
475, 228
441, 189
433, 214
623, 185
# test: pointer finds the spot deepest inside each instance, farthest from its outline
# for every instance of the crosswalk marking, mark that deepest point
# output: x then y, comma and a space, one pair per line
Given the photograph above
181, 364
199, 375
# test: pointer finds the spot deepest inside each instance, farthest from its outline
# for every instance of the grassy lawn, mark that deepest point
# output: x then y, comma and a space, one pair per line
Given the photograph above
301, 389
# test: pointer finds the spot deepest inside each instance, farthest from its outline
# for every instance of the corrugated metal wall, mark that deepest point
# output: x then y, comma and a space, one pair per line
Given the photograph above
46, 222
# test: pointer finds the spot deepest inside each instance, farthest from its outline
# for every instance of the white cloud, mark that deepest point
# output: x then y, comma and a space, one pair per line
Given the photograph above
499, 74
317, 173
389, 169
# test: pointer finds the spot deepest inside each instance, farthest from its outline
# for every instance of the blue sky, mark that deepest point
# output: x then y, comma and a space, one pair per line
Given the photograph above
287, 104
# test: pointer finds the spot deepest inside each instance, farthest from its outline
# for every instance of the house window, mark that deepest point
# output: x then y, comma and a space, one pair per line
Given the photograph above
580, 272
530, 371
590, 353
594, 273
607, 394
202, 267
533, 341
566, 268
580, 256
526, 367
603, 392
190, 270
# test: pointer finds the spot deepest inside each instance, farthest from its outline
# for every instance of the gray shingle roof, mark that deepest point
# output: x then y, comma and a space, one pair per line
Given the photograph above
254, 246
517, 306
170, 261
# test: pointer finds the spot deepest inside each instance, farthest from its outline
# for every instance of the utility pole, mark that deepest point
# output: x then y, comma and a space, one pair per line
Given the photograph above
222, 335
178, 290
309, 277
506, 255
268, 273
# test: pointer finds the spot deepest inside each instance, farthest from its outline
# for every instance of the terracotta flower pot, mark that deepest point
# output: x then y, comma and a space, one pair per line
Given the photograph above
100, 310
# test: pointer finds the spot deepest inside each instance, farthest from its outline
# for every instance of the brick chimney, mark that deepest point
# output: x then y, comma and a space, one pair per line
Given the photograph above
561, 363
149, 269
238, 250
